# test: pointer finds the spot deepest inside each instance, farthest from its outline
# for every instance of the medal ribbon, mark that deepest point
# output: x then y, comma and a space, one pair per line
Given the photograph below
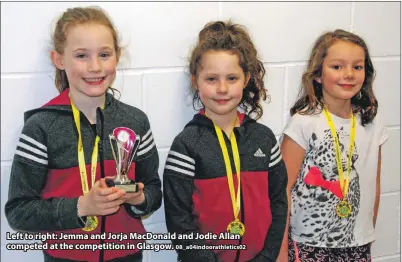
236, 157
344, 181
81, 157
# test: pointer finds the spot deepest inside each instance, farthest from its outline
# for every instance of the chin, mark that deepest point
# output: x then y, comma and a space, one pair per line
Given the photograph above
222, 112
344, 95
95, 92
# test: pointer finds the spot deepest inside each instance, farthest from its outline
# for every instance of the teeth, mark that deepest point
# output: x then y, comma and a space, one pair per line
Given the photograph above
93, 79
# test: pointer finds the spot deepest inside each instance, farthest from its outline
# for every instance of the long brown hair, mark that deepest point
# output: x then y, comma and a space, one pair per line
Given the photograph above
78, 16
310, 95
221, 35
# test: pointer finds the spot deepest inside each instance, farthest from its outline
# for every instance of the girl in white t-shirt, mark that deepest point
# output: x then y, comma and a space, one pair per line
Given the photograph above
332, 150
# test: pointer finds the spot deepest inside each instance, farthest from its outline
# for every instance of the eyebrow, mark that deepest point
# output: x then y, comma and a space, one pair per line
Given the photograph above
209, 74
86, 49
343, 60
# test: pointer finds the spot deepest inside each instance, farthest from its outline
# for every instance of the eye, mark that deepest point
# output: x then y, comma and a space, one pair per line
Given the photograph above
105, 55
232, 78
336, 67
211, 79
80, 56
358, 67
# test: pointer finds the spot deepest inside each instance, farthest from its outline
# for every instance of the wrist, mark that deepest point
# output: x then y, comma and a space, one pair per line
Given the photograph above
81, 211
137, 201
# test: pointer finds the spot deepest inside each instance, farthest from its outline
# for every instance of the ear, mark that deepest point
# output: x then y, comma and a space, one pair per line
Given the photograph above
57, 59
194, 82
118, 55
318, 79
248, 76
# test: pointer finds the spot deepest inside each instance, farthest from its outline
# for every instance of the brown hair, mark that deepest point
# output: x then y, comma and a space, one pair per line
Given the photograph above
77, 16
310, 95
221, 35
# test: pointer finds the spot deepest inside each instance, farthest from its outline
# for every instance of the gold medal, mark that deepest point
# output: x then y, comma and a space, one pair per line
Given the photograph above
236, 228
343, 209
92, 223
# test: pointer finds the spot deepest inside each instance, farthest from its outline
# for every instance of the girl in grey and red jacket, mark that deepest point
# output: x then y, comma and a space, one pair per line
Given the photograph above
224, 172
57, 182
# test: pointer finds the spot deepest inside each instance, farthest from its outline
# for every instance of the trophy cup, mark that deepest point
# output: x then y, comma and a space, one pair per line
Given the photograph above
124, 143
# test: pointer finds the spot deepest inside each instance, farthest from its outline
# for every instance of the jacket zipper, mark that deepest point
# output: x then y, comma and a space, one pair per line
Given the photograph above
102, 171
100, 123
242, 220
241, 198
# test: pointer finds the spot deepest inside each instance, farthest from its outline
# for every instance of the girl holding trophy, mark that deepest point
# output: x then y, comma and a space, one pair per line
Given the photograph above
63, 157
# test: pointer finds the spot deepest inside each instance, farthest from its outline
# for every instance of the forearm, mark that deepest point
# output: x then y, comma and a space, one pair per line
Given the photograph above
147, 170
377, 188
186, 226
25, 209
376, 206
153, 198
34, 215
152, 202
190, 255
179, 218
275, 235
285, 241
279, 210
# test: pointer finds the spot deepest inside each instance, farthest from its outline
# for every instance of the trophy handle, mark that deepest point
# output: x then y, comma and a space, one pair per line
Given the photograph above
135, 148
111, 137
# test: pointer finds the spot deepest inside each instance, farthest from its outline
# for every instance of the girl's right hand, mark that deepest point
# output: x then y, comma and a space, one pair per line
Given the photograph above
100, 200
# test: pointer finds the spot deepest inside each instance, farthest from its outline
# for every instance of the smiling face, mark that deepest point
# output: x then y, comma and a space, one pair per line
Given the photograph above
89, 59
220, 82
343, 73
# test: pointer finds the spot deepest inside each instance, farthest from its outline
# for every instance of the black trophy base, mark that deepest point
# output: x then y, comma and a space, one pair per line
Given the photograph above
131, 187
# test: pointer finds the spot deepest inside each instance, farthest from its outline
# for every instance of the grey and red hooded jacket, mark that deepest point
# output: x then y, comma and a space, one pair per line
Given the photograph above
197, 198
45, 179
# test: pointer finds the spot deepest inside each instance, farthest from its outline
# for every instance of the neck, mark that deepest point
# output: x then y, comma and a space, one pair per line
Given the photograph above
224, 122
86, 104
339, 107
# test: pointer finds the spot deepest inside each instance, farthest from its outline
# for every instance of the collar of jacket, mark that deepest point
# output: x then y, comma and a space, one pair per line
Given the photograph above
62, 103
200, 119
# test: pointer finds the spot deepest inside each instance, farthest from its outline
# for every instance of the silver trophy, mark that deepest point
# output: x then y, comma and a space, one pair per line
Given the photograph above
124, 143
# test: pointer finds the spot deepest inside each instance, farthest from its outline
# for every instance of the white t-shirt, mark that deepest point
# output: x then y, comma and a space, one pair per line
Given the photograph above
313, 218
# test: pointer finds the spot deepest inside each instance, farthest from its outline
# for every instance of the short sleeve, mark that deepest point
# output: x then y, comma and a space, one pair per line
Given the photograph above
297, 129
383, 133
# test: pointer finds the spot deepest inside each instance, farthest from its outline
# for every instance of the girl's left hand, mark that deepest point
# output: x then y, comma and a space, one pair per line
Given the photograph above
136, 198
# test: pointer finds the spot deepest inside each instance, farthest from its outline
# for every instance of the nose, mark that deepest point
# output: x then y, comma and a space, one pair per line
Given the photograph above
349, 73
222, 87
95, 65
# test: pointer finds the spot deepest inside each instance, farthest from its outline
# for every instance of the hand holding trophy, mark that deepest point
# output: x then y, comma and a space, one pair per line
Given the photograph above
124, 143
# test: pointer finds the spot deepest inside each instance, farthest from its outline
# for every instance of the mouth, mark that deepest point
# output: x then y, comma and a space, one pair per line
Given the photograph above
222, 101
94, 81
346, 85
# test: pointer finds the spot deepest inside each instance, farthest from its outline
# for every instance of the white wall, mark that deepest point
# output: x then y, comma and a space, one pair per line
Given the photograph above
159, 36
